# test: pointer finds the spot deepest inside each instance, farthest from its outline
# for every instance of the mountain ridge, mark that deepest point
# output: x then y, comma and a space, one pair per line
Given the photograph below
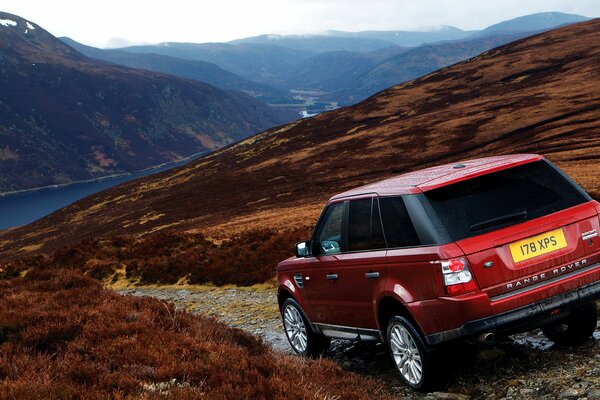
192, 69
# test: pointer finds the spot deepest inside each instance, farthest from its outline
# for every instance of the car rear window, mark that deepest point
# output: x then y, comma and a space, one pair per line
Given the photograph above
502, 199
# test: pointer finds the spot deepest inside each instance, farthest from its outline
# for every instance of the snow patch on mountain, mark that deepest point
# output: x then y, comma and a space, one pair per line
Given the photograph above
29, 26
8, 22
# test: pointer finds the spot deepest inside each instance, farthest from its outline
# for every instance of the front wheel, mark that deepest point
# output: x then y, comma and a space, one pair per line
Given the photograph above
413, 360
574, 329
302, 338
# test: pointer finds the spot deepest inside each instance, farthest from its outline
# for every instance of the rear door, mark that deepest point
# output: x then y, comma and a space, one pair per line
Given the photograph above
361, 269
518, 226
341, 284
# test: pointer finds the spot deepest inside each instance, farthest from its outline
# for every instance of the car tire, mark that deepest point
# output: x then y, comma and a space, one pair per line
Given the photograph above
303, 340
576, 328
414, 362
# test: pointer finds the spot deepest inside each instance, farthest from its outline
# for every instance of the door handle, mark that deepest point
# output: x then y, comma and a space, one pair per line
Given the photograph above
332, 277
372, 275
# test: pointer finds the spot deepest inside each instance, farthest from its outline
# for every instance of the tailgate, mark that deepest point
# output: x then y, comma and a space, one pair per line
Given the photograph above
535, 252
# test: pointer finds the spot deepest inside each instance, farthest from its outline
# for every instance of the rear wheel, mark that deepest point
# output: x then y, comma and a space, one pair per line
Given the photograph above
302, 338
575, 328
412, 359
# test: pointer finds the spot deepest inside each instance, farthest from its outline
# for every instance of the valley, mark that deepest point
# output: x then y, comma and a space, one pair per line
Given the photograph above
509, 100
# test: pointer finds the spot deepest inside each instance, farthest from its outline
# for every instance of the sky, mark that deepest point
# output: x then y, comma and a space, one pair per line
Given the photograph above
114, 23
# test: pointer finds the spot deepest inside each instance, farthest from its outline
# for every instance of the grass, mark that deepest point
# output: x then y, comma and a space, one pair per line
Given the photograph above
63, 336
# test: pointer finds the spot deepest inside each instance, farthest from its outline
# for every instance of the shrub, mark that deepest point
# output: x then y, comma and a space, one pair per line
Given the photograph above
66, 337
165, 258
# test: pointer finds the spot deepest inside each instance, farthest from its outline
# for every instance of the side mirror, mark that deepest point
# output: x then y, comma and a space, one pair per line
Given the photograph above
302, 249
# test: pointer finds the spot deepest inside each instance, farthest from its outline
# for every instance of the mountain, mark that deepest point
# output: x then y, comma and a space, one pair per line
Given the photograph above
349, 77
330, 71
65, 117
256, 62
408, 38
197, 70
318, 43
413, 63
346, 67
535, 95
533, 22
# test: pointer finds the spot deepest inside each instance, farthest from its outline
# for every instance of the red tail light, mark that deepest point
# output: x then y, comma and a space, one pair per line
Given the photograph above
457, 276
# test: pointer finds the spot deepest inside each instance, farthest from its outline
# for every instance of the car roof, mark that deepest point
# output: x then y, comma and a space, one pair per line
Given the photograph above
438, 176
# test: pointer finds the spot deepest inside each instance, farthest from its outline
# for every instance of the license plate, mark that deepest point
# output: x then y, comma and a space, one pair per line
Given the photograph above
538, 245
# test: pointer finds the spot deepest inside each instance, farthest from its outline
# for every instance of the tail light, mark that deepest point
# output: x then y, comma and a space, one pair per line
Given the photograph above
457, 276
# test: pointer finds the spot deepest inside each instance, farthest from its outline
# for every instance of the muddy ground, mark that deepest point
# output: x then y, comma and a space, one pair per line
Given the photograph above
525, 366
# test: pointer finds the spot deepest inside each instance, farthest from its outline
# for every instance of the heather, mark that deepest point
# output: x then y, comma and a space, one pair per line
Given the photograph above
167, 258
63, 336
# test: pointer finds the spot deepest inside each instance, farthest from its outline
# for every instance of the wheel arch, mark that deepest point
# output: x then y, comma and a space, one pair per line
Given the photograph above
390, 307
283, 295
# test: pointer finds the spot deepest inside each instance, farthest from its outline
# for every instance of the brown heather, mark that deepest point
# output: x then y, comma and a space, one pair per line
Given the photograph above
63, 336
166, 258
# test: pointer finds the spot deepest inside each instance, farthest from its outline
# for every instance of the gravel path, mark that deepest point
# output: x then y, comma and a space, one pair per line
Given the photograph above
524, 366
253, 310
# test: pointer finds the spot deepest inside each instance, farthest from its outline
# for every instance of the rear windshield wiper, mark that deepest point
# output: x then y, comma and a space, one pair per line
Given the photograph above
495, 220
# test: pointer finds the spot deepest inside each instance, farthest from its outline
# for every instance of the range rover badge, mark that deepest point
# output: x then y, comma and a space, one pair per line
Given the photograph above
589, 234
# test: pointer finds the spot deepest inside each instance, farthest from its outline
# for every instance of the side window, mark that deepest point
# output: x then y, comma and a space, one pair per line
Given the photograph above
329, 232
377, 238
359, 225
364, 226
398, 228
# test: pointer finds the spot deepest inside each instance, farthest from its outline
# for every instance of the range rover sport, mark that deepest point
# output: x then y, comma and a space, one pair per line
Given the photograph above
472, 250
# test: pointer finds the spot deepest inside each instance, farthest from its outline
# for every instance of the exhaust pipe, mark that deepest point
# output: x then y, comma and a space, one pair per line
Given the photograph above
486, 338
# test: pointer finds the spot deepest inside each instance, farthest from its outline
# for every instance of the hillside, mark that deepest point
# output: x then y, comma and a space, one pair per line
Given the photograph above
536, 95
197, 70
65, 337
65, 117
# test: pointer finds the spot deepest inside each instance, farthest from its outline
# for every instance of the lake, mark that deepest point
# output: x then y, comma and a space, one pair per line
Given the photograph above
21, 208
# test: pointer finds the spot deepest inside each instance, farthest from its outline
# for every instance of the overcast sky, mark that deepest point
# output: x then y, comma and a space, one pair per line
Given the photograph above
117, 22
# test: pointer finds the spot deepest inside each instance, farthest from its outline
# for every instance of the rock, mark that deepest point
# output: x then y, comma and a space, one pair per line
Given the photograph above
527, 392
594, 394
569, 393
448, 396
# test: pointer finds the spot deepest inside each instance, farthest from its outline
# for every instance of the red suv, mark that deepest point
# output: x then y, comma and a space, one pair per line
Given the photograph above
485, 247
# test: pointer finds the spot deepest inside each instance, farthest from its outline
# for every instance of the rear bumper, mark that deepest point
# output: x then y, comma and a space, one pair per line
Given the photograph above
523, 318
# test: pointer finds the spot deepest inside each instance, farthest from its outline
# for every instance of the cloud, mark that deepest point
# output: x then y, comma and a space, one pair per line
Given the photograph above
154, 21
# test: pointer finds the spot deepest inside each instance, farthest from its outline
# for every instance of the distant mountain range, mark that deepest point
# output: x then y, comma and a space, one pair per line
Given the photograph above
65, 117
535, 95
193, 69
338, 68
75, 112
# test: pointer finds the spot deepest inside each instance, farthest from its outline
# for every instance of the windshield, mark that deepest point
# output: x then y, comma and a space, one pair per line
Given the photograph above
501, 199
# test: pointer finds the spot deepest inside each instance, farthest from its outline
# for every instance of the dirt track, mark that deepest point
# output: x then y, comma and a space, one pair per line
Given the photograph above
525, 366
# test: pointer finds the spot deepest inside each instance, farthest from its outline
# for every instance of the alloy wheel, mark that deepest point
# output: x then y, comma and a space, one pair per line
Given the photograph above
406, 354
295, 329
